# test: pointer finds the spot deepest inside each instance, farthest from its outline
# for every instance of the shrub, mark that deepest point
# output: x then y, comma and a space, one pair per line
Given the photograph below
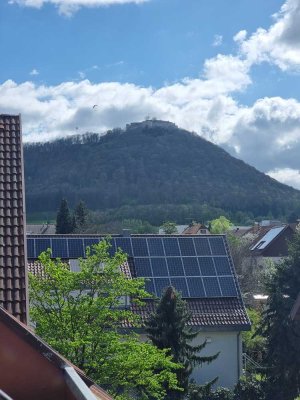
249, 389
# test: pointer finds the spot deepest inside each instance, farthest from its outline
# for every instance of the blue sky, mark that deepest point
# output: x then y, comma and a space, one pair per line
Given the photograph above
228, 70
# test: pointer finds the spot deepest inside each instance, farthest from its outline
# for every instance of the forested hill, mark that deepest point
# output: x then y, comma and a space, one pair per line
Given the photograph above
157, 167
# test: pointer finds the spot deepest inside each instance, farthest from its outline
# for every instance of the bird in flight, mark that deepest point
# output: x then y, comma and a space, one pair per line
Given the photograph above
95, 105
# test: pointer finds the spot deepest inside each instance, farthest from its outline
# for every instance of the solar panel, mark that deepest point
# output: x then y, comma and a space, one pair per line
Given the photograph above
217, 246
42, 245
206, 266
89, 242
161, 284
59, 248
196, 266
140, 248
222, 266
76, 248
180, 285
155, 246
159, 266
228, 286
191, 266
267, 238
186, 247
142, 267
149, 286
202, 246
196, 287
124, 244
175, 266
171, 247
30, 248
211, 286
112, 248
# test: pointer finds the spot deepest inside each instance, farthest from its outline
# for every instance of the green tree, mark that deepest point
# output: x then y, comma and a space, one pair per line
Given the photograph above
64, 222
220, 225
169, 228
253, 343
281, 333
168, 329
81, 315
80, 217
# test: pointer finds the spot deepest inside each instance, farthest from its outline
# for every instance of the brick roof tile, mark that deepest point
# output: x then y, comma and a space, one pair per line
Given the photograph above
12, 254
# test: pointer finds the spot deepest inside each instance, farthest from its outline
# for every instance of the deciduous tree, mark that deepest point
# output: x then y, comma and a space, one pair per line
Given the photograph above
83, 315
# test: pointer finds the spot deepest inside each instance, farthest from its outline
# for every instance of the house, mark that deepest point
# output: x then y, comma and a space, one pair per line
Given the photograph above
32, 370
272, 241
200, 267
41, 229
196, 229
29, 368
13, 271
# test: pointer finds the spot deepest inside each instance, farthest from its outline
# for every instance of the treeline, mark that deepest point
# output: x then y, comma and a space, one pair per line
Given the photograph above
161, 173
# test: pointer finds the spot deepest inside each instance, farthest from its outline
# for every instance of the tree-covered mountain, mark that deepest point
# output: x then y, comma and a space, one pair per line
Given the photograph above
150, 170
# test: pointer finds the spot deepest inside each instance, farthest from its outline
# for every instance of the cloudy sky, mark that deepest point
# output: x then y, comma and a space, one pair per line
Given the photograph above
228, 70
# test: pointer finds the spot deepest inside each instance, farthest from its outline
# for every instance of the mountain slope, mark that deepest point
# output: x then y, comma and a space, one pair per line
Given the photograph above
145, 166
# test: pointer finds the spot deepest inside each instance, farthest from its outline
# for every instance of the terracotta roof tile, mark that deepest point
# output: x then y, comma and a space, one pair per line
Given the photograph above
218, 312
12, 254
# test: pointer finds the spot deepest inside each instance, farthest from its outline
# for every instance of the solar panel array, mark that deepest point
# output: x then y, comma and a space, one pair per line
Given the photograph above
196, 266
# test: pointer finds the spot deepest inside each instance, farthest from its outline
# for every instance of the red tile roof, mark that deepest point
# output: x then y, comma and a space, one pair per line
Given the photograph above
207, 312
13, 272
195, 229
27, 334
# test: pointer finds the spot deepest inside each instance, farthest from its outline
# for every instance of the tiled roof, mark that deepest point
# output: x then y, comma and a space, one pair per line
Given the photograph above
40, 229
52, 356
195, 229
36, 268
212, 313
12, 255
223, 308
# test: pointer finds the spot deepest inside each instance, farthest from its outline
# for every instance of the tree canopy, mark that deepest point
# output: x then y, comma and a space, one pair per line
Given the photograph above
83, 316
168, 329
281, 333
220, 225
64, 221
169, 173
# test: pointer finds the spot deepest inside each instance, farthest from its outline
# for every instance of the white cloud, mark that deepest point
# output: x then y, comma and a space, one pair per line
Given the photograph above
34, 72
68, 7
267, 135
218, 40
240, 36
288, 176
280, 44
202, 105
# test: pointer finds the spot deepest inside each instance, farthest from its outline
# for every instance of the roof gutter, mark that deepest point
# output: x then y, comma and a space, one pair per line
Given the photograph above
4, 396
76, 385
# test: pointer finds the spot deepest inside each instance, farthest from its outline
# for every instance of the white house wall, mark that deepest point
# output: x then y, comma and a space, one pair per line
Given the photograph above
228, 365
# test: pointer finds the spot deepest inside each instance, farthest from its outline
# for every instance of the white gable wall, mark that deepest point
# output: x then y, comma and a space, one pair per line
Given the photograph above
228, 365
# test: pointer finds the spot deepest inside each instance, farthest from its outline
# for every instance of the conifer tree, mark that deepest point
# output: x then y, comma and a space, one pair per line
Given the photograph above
80, 216
281, 332
168, 329
64, 223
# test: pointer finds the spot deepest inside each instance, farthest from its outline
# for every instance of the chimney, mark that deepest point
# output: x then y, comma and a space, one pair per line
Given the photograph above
126, 232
